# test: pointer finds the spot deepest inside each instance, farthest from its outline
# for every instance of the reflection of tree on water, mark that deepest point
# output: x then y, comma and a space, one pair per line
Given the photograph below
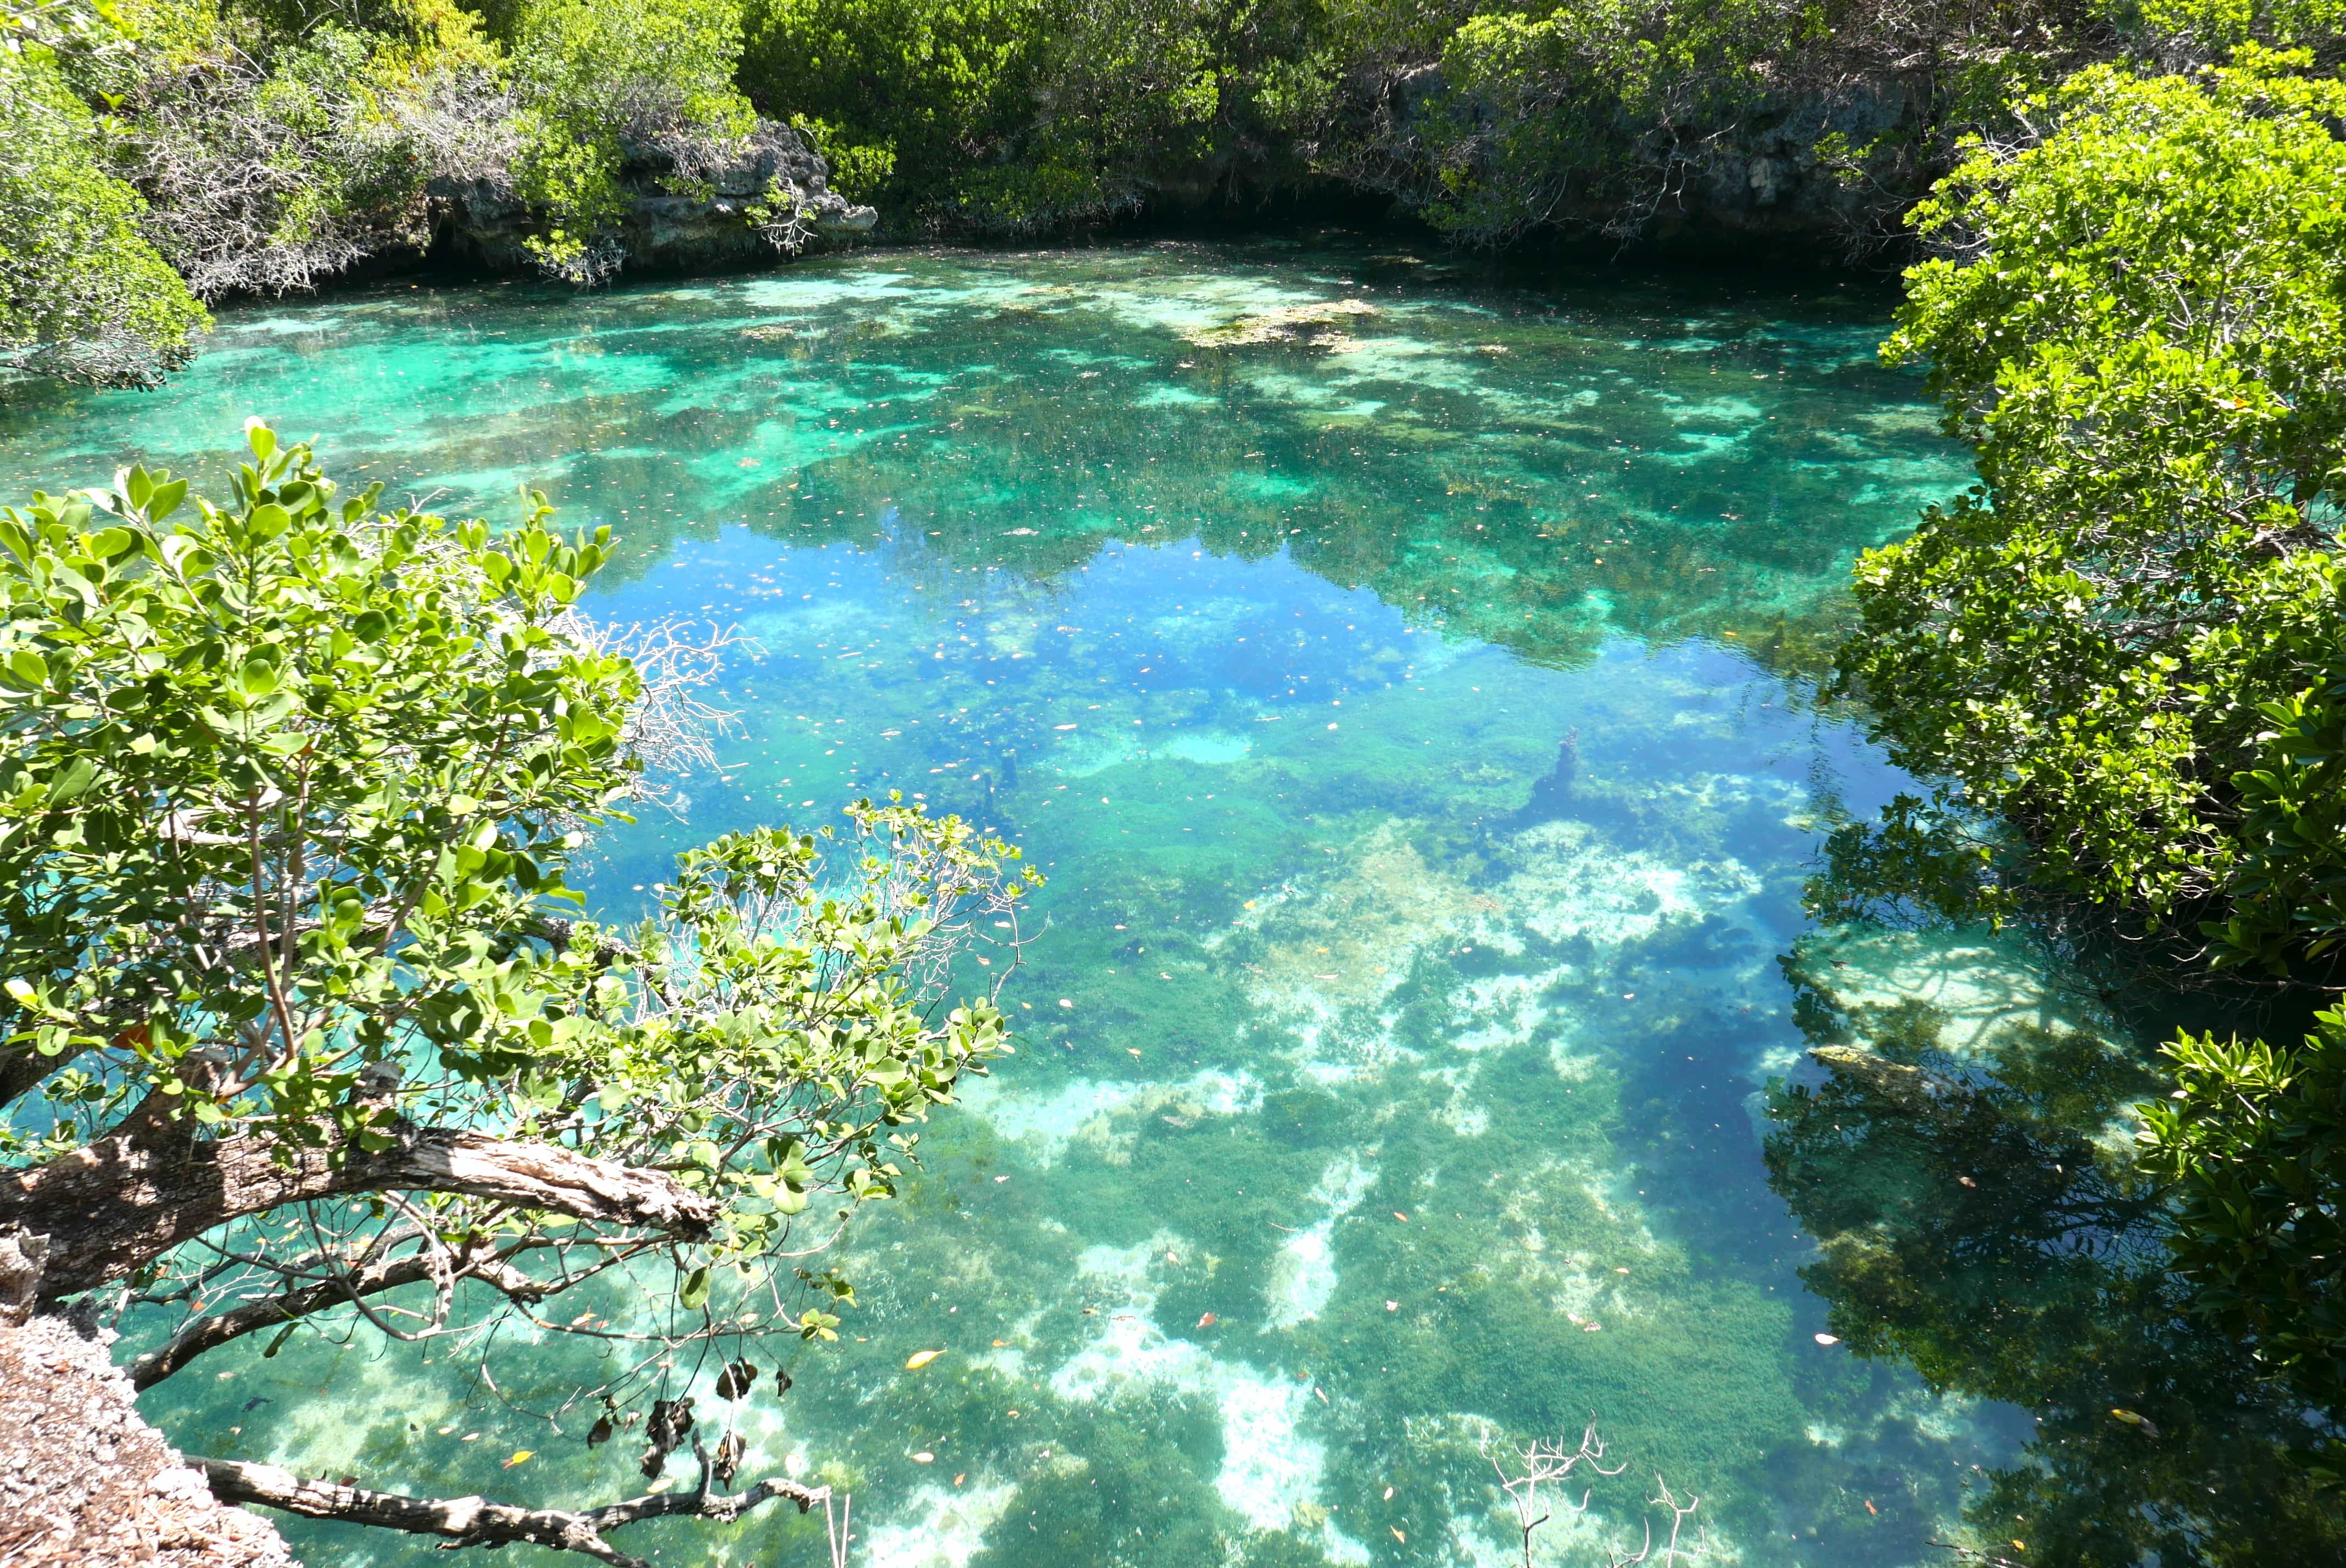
1979, 1215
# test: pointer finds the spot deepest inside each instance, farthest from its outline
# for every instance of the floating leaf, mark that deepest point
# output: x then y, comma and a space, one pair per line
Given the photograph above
519, 1454
920, 1359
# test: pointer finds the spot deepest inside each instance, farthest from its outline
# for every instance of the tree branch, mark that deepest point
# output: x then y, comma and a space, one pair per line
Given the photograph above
475, 1521
473, 1260
22, 1068
128, 1199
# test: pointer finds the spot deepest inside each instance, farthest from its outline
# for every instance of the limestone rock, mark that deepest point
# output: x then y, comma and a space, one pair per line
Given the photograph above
664, 231
85, 1480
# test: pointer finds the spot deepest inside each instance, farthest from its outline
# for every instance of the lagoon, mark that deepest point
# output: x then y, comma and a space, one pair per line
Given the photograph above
1403, 671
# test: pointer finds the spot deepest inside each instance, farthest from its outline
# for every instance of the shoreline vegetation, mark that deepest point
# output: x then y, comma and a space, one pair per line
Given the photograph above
289, 780
167, 154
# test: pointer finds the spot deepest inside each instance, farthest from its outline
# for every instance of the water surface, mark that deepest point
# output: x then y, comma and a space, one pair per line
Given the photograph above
1397, 669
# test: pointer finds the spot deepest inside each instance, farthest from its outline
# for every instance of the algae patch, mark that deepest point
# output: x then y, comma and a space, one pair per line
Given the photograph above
1315, 325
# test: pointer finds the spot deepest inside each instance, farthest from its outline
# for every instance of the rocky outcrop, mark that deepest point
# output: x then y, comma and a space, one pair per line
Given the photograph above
1822, 170
85, 1480
1765, 177
675, 224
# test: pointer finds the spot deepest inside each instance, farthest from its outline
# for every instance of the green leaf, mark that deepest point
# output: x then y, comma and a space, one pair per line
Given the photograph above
28, 669
72, 779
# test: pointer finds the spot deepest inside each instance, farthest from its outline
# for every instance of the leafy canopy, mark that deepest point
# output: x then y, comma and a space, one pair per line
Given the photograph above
2139, 329
2126, 650
288, 784
84, 294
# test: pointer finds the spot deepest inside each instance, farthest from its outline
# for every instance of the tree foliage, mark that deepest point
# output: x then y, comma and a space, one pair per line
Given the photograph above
84, 294
2121, 640
1018, 116
2252, 1136
2119, 658
253, 147
277, 148
287, 786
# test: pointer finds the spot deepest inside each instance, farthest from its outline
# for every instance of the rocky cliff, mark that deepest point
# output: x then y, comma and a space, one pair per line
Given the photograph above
771, 197
85, 1480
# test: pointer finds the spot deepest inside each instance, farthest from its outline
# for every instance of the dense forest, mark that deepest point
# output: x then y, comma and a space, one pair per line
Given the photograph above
2117, 664
165, 153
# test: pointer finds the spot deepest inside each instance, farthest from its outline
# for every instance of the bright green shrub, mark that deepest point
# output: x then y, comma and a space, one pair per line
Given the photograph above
891, 85
2254, 1139
603, 83
2140, 331
82, 293
1015, 116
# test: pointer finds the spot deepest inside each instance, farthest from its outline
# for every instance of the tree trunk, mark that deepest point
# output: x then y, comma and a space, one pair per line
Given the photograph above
127, 1199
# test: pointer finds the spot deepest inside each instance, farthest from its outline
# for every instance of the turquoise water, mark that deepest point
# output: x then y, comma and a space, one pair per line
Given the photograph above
1398, 668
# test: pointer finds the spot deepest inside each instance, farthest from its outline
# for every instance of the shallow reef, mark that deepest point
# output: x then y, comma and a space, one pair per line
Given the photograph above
1398, 669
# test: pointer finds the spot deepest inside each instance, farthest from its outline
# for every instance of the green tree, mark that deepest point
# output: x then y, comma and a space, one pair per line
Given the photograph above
82, 293
2124, 653
278, 149
2138, 327
901, 95
299, 1019
1018, 117
603, 84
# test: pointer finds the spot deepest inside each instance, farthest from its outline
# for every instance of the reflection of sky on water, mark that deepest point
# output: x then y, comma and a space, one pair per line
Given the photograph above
1400, 1099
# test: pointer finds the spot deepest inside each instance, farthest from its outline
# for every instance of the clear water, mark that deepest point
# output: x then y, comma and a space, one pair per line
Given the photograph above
1375, 1097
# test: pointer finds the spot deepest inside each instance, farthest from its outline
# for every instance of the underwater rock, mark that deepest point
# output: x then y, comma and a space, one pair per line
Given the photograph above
1314, 324
1552, 795
1908, 1088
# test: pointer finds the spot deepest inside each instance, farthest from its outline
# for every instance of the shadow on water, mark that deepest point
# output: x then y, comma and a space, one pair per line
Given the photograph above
1960, 1146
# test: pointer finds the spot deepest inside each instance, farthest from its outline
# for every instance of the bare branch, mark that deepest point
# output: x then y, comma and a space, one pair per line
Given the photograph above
672, 728
1539, 1464
474, 1259
476, 1521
